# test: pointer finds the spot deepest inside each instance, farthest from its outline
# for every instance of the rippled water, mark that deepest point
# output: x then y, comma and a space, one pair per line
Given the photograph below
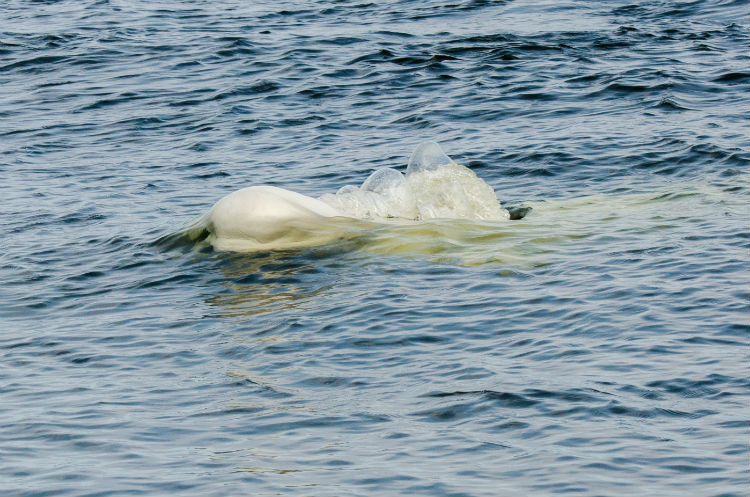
599, 346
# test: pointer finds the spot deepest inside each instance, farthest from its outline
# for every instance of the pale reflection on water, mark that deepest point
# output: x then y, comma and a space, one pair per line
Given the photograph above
262, 283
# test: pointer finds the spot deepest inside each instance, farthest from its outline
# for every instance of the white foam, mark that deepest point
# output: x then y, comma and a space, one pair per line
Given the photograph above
385, 194
434, 187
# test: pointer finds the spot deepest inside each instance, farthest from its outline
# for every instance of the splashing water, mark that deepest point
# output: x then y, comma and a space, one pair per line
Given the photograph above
434, 187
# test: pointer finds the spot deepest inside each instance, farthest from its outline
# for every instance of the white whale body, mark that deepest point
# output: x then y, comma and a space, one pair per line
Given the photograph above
442, 212
268, 217
263, 217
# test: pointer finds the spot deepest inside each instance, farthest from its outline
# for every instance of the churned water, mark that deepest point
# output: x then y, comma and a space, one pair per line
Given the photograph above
596, 347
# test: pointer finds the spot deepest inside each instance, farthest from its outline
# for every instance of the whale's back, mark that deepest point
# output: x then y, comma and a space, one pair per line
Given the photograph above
261, 216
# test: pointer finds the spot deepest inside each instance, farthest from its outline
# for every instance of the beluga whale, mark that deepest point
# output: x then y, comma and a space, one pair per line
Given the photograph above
268, 217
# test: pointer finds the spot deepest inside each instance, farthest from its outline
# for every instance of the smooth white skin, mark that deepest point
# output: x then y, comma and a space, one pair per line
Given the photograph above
263, 214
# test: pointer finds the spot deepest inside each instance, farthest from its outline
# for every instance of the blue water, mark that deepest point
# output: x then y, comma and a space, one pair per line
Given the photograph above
597, 347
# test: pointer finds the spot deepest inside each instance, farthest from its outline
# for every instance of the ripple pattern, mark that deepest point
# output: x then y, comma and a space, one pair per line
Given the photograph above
598, 346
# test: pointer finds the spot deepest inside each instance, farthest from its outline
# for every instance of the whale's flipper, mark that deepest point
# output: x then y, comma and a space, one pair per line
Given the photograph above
518, 211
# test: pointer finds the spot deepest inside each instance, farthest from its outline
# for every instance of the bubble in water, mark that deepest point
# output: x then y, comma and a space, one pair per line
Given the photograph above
428, 156
385, 194
455, 192
394, 191
434, 187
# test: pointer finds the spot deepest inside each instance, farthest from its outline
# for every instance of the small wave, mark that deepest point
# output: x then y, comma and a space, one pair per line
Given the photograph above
38, 63
733, 78
669, 104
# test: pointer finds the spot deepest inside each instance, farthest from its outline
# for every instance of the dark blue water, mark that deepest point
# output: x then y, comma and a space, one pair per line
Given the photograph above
598, 347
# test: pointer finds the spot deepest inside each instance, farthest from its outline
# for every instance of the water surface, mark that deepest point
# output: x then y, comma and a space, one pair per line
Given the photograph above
598, 346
